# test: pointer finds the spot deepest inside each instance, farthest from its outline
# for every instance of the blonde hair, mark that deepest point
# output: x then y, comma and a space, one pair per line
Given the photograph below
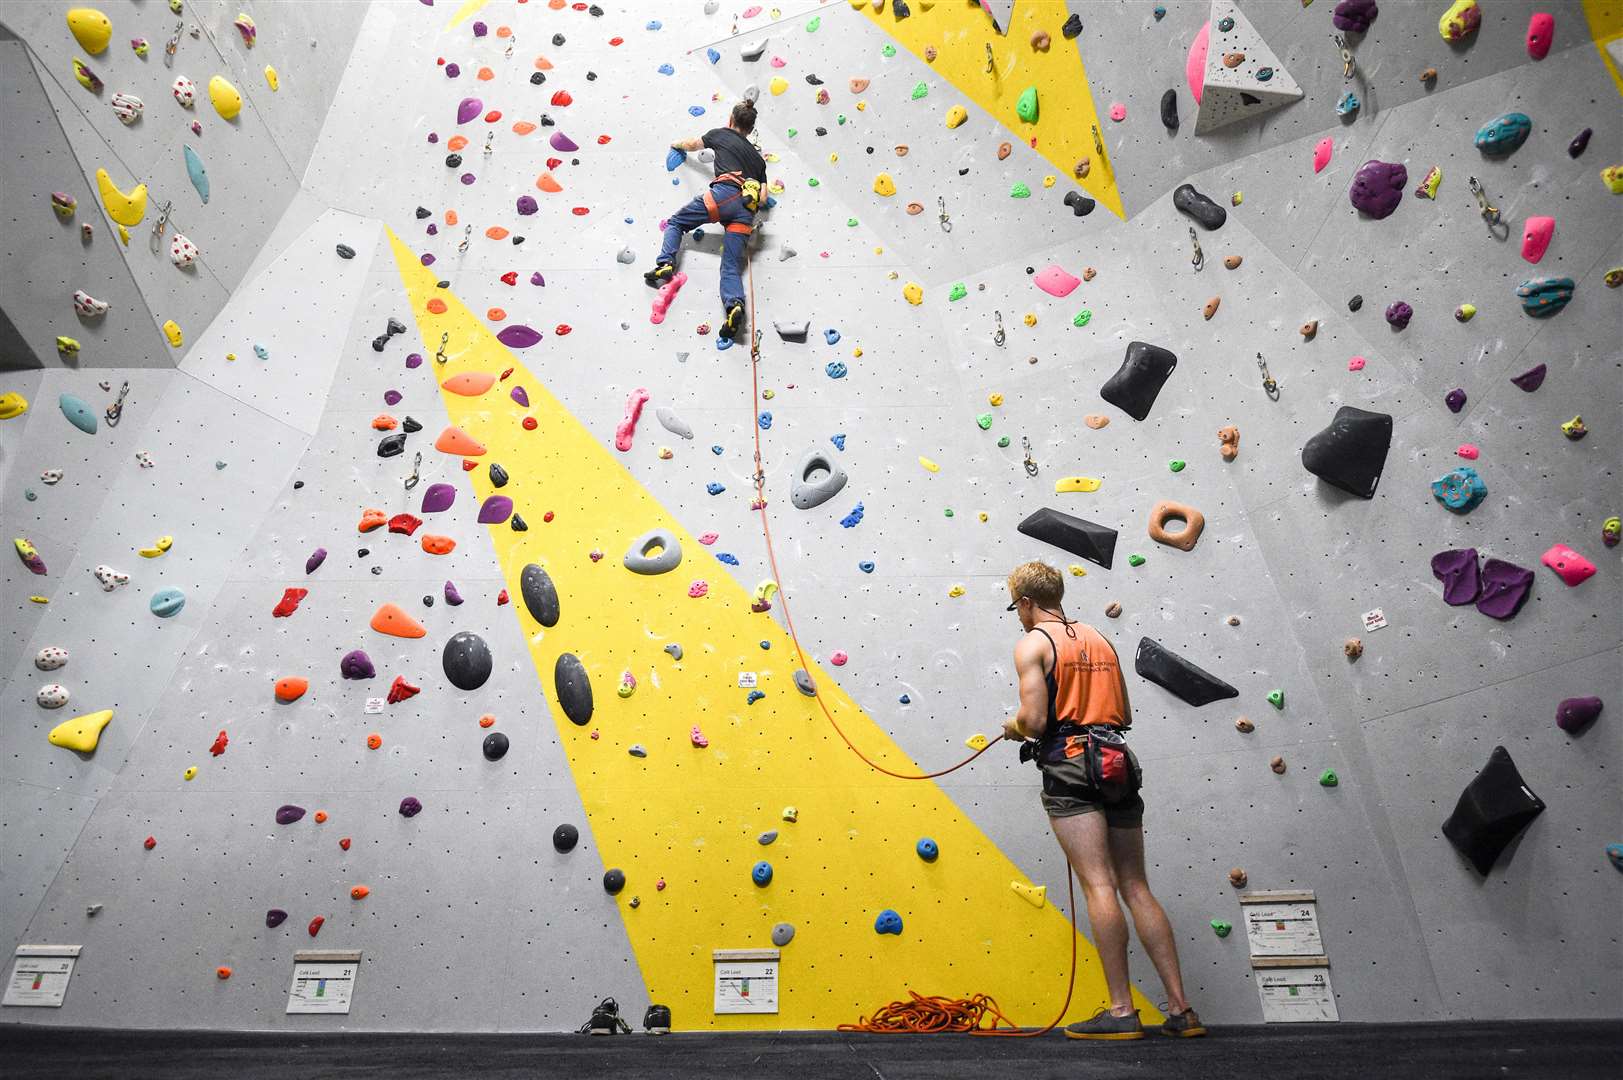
1038, 582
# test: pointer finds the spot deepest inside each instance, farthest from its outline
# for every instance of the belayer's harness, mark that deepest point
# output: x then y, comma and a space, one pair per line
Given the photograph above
749, 193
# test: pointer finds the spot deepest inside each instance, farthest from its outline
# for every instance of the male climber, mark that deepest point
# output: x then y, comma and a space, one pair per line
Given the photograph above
1073, 703
738, 190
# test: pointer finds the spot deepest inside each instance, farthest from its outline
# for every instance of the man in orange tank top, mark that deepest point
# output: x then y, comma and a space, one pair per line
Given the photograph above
1071, 691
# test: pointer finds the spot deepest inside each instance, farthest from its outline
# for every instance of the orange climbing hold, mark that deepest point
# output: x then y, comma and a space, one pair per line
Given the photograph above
496, 232
453, 440
291, 688
469, 383
436, 306
438, 545
392, 620
485, 75
522, 127
343, 842
456, 142
487, 720
541, 62
384, 422
222, 973
504, 31
359, 892
450, 217
321, 817
371, 519
546, 183
495, 314
373, 741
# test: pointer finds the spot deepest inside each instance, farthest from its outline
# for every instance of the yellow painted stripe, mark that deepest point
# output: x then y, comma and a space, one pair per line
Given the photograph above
960, 33
468, 9
1605, 18
691, 816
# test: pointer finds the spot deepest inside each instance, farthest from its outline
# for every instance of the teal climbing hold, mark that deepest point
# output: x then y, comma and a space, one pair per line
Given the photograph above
1276, 698
79, 414
166, 603
199, 175
1026, 107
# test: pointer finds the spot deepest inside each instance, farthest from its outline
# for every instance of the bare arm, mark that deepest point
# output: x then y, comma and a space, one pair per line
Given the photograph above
690, 145
1031, 719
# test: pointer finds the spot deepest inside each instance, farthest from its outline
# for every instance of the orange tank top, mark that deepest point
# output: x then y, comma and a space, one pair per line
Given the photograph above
1085, 686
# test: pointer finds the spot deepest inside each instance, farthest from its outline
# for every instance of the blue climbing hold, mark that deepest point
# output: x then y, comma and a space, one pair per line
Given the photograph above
753, 697
723, 344
198, 174
905, 700
1503, 134
714, 488
716, 450
765, 644
888, 923
835, 370
166, 603
767, 837
765, 420
262, 352
729, 559
653, 24
666, 69
831, 336
838, 441
851, 520
761, 873
927, 849
695, 110
866, 566
713, 55
79, 414
1461, 489
674, 159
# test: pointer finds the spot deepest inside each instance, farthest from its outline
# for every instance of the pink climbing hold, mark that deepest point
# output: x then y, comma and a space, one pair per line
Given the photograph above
1118, 111
468, 109
1540, 34
662, 299
698, 738
838, 658
1356, 364
1536, 235
709, 538
1572, 567
628, 427
1055, 281
1321, 153
1468, 451
1194, 68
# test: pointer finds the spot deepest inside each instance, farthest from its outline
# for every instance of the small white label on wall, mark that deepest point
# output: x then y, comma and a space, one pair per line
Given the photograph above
39, 976
323, 982
1374, 619
746, 980
746, 680
1290, 929
374, 705
1296, 995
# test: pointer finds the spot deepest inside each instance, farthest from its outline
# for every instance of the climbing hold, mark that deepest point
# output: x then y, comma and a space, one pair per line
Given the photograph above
90, 28
29, 556
1494, 807
1351, 452
1184, 680
1504, 134
1572, 567
1026, 105
289, 602
1352, 648
888, 922
1080, 204
166, 603
1210, 307
495, 509
1611, 530
51, 696
127, 107
956, 115
1461, 578
655, 552
1377, 187
1348, 105
1505, 587
79, 414
1134, 386
1460, 21
1276, 698
469, 383
1328, 778
1574, 429
1536, 235
467, 660
1543, 297
1398, 314
1220, 928
1228, 442
1238, 877
86, 77
1189, 201
1531, 379
1427, 188
816, 480
1244, 726
1575, 714
1055, 281
288, 814
495, 746
1184, 539
1069, 484
573, 688
392, 620
761, 873
884, 185
1096, 543
1461, 489
109, 578
410, 807
51, 658
227, 99
1355, 15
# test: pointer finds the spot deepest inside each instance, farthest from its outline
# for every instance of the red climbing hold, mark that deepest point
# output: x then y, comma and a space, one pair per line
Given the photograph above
289, 602
553, 162
505, 374
529, 423
562, 329
547, 516
343, 842
400, 690
617, 41
501, 598
492, 116
603, 140
220, 742
562, 98
579, 211
469, 466
150, 842
404, 524
510, 278
315, 924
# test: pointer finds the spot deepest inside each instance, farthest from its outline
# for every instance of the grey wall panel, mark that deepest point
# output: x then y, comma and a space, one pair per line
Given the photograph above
37, 828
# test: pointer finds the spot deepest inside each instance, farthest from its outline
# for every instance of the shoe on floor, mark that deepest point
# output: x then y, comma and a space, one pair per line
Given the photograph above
733, 325
605, 1020
1185, 1025
1107, 1025
657, 1020
659, 275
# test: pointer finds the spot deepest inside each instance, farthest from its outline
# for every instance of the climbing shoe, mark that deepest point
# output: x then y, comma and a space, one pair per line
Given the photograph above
1185, 1025
605, 1020
659, 275
657, 1020
733, 325
1107, 1025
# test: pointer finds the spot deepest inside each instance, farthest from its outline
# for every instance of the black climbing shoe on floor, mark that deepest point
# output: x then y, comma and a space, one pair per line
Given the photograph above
1107, 1025
733, 325
657, 1020
659, 275
605, 1020
1185, 1025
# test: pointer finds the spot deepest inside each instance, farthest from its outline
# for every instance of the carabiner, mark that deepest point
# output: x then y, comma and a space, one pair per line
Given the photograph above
946, 222
159, 224
416, 464
489, 138
1347, 65
467, 238
997, 337
1031, 465
172, 44
115, 412
1490, 213
1199, 261
1269, 386
990, 63
439, 355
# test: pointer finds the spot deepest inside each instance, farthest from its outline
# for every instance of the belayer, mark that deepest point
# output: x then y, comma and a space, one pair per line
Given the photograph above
737, 192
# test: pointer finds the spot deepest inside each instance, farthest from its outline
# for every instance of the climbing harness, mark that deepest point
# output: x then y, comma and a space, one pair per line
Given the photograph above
749, 193
1031, 463
172, 44
941, 205
467, 238
115, 412
1347, 65
998, 336
416, 464
160, 223
1199, 261
1269, 386
439, 354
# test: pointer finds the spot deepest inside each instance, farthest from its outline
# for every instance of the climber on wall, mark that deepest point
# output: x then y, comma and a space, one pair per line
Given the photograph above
738, 190
1073, 709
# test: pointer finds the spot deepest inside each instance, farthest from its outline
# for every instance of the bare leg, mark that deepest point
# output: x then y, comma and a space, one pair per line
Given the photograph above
1083, 836
1149, 919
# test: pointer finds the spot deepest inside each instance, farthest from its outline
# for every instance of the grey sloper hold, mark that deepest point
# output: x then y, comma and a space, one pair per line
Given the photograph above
467, 660
574, 688
817, 479
792, 331
803, 682
673, 423
754, 50
540, 595
639, 561
1186, 681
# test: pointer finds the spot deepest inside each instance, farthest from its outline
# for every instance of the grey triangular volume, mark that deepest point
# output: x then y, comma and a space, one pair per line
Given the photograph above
1257, 83
1000, 11
1084, 539
1178, 676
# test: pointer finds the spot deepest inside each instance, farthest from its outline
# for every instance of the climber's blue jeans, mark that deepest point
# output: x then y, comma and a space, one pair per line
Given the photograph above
730, 209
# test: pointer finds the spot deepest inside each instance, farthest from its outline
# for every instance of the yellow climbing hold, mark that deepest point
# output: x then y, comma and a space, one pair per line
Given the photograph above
190, 773
778, 85
159, 546
884, 185
766, 590
913, 292
833, 159
930, 465
957, 115
1035, 895
12, 405
124, 235
1458, 20
82, 733
1030, 319
1067, 484
994, 400
1077, 570
39, 599
984, 516
1048, 181
90, 28
227, 99
171, 330
956, 590
272, 80
125, 209
977, 742
857, 351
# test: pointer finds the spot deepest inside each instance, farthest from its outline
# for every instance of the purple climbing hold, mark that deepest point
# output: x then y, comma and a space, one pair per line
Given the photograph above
392, 397
1355, 15
438, 497
1576, 713
427, 258
1532, 378
317, 557
537, 279
414, 360
1377, 187
480, 29
519, 395
1398, 313
1457, 570
1455, 399
357, 665
275, 917
518, 336
469, 108
495, 510
563, 143
467, 179
287, 815
452, 596
410, 807
527, 205
452, 70
1504, 588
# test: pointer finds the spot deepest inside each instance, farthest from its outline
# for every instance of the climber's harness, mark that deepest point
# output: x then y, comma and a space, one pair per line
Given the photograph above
749, 193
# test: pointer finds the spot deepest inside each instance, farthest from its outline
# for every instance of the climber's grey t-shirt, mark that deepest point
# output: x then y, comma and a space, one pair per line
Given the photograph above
735, 154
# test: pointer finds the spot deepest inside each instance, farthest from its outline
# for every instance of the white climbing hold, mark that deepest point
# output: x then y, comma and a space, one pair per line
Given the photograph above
110, 579
673, 423
51, 696
51, 658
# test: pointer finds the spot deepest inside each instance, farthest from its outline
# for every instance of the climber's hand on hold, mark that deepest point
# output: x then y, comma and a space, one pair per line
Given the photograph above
1011, 729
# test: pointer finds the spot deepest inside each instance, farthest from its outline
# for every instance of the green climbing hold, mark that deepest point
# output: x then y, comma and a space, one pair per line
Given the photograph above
1135, 560
850, 223
793, 132
811, 27
1276, 698
1003, 442
888, 50
1027, 105
1176, 464
920, 90
984, 420
1083, 317
812, 181
1221, 928
1020, 191
949, 511
957, 292
1328, 778
840, 119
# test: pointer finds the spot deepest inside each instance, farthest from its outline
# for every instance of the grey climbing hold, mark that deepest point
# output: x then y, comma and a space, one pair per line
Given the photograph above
674, 651
637, 750
665, 559
772, 834
540, 596
467, 660
755, 50
345, 251
804, 683
792, 331
782, 934
817, 479
673, 423
1189, 201
574, 688
626, 256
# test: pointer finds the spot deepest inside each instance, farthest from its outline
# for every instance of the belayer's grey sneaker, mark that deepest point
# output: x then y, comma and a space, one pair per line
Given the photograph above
1185, 1025
1107, 1025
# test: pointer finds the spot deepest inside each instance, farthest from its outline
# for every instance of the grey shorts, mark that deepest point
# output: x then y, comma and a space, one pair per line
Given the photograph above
1064, 796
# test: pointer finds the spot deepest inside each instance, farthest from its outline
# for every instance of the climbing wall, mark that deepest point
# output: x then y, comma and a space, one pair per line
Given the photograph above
362, 292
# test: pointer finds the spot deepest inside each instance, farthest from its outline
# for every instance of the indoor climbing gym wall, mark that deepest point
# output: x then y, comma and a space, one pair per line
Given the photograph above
404, 588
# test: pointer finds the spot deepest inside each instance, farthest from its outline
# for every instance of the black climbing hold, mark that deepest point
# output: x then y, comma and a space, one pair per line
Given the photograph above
1134, 386
1249, 99
822, 131
1169, 110
1356, 302
1532, 378
379, 342
424, 212
537, 78
963, 172
1084, 539
297, 484
377, 570
498, 475
1072, 27
595, 11
614, 879
362, 553
1198, 206
1079, 203
345, 251
574, 688
396, 326
900, 9
1184, 680
428, 601
392, 445
540, 596
565, 837
517, 240
518, 524
1492, 810
410, 425
495, 746
547, 121
1581, 143
814, 80
869, 150
467, 660
453, 161
442, 284
1351, 452
591, 76
557, 39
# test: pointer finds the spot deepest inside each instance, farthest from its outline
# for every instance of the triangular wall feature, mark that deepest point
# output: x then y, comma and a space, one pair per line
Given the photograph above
1256, 84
